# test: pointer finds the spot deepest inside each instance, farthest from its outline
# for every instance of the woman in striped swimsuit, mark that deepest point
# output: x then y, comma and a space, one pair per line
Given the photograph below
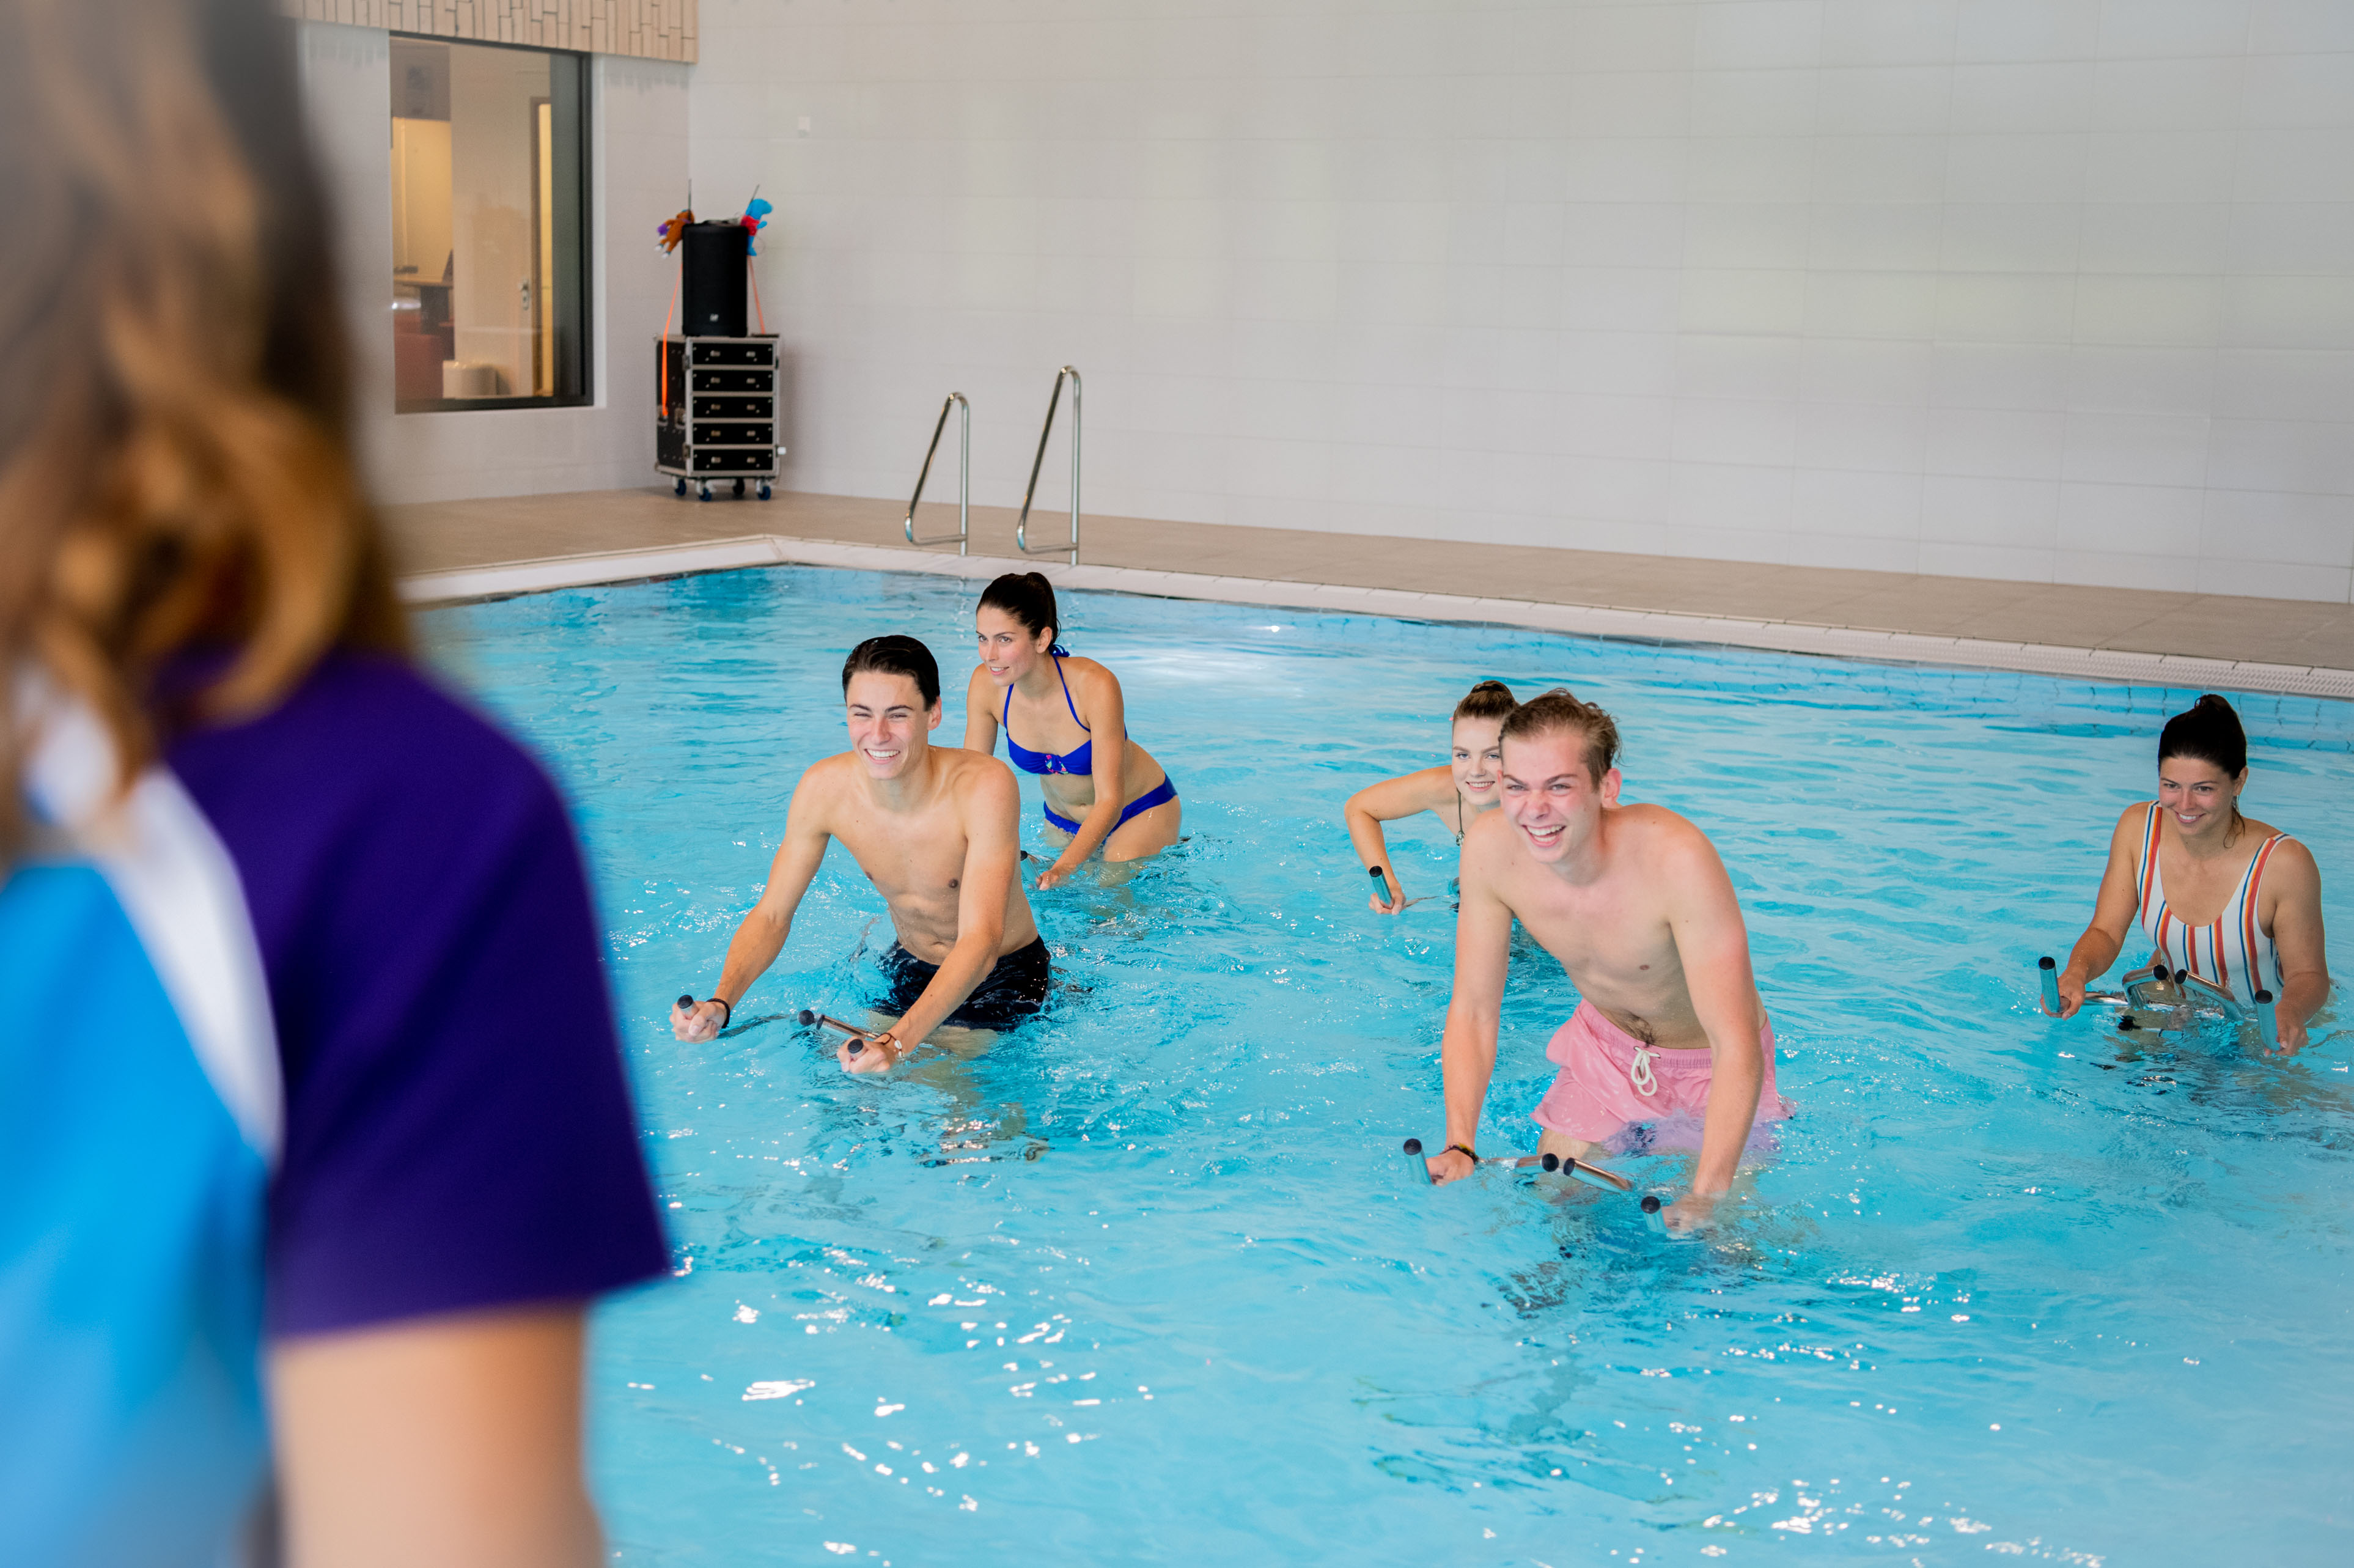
2232, 902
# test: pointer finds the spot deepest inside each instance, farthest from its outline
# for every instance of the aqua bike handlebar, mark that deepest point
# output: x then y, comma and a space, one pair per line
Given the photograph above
2268, 1020
1592, 1175
2050, 972
858, 1037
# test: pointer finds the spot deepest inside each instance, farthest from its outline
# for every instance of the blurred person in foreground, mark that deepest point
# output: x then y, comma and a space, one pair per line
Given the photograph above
314, 1141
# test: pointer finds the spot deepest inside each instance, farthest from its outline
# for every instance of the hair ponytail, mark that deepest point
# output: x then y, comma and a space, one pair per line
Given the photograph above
1028, 598
2207, 731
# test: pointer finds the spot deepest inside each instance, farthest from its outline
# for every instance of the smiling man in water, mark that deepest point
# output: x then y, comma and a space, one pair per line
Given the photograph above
937, 830
1637, 907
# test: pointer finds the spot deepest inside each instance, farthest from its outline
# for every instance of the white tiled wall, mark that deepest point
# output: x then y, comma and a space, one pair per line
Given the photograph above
638, 163
2040, 289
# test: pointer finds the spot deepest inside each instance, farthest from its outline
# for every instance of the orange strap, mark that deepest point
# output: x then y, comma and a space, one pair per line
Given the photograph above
754, 273
662, 355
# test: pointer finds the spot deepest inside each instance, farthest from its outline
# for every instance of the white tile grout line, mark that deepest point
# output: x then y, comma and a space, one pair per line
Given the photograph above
2107, 665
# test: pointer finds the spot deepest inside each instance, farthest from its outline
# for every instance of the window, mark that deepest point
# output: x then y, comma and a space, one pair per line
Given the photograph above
490, 273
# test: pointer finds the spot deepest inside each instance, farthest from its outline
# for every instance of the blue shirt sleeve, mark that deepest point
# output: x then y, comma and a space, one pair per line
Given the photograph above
459, 1130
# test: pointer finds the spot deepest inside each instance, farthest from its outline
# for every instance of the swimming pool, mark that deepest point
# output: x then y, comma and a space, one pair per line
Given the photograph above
2005, 1289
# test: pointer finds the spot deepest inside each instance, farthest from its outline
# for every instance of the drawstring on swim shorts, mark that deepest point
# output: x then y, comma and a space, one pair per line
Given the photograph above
1639, 1072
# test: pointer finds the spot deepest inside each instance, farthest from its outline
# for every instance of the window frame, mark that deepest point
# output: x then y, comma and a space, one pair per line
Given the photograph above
569, 72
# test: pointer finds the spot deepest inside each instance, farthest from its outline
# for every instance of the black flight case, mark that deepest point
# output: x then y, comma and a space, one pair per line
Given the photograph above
717, 416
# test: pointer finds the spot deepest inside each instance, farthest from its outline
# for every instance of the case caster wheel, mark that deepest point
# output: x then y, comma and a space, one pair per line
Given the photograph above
702, 492
739, 490
764, 489
678, 487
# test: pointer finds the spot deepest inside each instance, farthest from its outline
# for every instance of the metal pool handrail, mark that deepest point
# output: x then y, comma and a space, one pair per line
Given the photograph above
962, 537
1022, 526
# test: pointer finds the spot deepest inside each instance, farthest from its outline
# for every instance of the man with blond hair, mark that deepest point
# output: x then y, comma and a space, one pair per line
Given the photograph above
1637, 907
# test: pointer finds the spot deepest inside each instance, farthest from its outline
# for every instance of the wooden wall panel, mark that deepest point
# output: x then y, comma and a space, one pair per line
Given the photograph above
650, 29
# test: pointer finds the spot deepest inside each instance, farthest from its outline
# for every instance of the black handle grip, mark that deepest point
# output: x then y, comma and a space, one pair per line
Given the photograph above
2045, 964
1374, 871
857, 1045
687, 1002
1549, 1163
1651, 1203
1413, 1146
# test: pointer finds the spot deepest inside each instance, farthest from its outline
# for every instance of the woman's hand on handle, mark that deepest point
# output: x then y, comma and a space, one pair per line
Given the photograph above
2073, 982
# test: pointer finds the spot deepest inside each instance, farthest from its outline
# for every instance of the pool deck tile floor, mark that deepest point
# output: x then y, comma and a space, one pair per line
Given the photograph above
477, 549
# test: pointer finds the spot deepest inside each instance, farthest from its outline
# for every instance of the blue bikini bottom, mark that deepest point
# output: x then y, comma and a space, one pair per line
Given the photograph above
1165, 791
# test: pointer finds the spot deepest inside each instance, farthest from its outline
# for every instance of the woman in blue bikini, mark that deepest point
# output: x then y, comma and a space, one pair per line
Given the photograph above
1102, 789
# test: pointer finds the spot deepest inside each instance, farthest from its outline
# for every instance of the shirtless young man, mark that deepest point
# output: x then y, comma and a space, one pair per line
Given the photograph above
937, 830
1637, 907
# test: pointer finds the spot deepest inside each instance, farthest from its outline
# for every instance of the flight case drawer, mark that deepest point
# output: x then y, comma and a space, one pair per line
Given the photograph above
734, 459
732, 408
734, 380
708, 434
729, 353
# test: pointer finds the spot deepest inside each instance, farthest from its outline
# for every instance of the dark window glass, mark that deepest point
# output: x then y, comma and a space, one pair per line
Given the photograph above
490, 272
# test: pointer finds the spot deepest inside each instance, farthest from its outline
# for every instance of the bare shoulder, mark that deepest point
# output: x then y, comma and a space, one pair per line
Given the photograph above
1667, 836
1489, 848
2130, 821
819, 788
2293, 864
974, 681
980, 781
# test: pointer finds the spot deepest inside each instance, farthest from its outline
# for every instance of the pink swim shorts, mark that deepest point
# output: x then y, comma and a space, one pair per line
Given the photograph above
1610, 1080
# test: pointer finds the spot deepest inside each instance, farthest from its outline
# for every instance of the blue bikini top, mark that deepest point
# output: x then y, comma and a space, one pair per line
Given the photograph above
1081, 761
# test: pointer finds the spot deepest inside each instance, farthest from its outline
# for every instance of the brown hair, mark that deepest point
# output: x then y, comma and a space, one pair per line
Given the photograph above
1028, 598
895, 656
1557, 710
1487, 700
2209, 731
174, 469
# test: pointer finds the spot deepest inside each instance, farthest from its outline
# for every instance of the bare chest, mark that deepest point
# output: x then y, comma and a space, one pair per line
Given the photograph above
1610, 936
2199, 891
916, 856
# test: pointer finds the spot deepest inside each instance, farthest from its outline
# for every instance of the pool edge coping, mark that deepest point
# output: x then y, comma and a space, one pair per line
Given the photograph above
506, 578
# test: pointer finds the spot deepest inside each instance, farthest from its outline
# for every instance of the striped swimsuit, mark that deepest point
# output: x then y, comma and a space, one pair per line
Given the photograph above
2232, 955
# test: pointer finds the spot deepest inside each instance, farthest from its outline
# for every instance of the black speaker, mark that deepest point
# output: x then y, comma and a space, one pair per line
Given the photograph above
716, 259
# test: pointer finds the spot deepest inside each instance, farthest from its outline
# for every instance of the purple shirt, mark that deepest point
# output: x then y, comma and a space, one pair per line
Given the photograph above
459, 1134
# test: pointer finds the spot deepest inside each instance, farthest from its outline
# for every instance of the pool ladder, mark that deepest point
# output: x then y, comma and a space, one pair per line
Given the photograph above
1022, 526
962, 537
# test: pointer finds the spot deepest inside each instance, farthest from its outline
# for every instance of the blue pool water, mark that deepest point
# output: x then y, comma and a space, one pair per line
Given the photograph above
2005, 1289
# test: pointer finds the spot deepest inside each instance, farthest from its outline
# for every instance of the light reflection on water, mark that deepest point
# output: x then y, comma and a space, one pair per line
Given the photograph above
1150, 1282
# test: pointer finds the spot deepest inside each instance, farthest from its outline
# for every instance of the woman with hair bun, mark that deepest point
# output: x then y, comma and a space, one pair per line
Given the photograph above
2233, 903
1102, 789
1457, 792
